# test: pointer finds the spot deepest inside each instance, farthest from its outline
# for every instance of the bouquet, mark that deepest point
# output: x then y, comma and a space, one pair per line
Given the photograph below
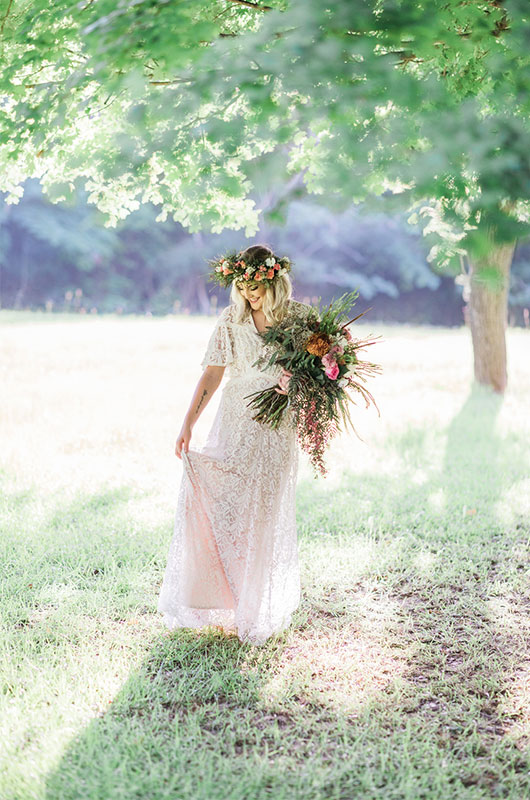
320, 357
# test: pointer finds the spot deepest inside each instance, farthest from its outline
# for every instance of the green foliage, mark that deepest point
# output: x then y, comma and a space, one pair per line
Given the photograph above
190, 104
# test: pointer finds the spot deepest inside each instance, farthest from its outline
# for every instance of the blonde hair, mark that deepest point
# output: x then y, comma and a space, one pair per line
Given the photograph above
275, 300
277, 294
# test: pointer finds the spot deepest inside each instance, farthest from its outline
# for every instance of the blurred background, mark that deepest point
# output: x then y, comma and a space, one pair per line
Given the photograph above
62, 258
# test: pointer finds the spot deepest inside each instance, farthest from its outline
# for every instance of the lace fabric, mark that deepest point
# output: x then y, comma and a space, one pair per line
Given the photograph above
233, 557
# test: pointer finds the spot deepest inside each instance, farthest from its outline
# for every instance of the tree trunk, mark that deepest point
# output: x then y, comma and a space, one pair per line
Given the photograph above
22, 252
487, 308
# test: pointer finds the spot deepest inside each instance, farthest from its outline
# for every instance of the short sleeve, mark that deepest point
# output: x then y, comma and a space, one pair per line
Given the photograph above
220, 352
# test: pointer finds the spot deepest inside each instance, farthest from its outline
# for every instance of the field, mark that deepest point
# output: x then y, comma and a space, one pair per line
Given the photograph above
406, 672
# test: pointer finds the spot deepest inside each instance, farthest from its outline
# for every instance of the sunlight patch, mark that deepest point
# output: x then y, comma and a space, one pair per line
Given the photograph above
57, 593
507, 615
515, 503
424, 562
419, 477
436, 500
339, 670
516, 706
341, 561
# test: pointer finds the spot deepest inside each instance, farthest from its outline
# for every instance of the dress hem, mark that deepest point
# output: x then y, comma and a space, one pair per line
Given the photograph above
189, 618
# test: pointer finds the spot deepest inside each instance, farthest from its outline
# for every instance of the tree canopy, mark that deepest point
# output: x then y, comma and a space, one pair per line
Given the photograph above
191, 105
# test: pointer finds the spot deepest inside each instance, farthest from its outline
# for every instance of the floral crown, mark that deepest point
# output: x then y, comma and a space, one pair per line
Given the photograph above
232, 267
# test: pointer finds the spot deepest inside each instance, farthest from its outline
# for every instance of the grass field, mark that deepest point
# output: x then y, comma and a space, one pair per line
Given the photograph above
406, 672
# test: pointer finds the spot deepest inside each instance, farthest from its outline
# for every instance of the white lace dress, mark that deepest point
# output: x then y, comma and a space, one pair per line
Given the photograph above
233, 558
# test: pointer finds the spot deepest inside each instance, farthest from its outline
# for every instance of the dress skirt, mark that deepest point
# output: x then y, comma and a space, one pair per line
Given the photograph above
233, 557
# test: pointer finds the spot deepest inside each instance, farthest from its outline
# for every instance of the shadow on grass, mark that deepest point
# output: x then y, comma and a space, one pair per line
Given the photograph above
394, 680
58, 550
454, 565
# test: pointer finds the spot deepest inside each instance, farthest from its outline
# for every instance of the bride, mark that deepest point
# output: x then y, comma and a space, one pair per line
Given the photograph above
233, 557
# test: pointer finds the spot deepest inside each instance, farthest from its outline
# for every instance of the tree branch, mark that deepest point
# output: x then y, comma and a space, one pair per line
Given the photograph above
255, 6
151, 83
4, 18
170, 83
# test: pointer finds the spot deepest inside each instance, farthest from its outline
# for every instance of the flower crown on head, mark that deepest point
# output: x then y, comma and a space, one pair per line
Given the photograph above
232, 267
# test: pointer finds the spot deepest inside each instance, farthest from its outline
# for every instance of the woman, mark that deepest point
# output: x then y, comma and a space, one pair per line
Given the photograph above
233, 558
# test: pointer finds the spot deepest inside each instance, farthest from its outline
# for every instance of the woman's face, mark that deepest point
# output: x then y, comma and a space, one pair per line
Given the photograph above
254, 293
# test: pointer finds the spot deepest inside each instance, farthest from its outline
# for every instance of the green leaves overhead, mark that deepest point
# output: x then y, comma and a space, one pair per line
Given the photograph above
190, 104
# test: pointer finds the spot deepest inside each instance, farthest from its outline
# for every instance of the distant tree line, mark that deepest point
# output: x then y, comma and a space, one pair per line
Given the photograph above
62, 257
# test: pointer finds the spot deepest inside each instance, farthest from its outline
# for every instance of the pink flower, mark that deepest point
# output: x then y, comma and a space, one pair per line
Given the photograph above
332, 371
347, 334
336, 350
258, 276
328, 359
270, 273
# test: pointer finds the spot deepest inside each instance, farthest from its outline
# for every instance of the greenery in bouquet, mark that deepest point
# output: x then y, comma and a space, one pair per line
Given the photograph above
325, 372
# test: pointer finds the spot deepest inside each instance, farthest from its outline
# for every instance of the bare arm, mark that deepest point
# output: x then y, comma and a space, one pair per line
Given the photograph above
208, 383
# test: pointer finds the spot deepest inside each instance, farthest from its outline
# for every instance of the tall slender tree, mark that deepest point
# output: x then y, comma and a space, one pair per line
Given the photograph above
191, 104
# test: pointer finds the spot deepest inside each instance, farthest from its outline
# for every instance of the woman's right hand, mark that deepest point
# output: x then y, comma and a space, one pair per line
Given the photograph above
183, 441
283, 381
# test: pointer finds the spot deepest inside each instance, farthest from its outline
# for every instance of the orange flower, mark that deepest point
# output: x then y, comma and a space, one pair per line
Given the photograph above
270, 273
318, 344
258, 276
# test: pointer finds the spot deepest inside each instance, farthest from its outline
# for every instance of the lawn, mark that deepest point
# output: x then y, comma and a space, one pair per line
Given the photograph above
406, 672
